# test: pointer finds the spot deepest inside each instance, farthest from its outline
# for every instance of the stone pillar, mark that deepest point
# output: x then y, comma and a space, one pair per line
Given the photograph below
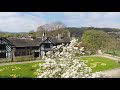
13, 54
100, 52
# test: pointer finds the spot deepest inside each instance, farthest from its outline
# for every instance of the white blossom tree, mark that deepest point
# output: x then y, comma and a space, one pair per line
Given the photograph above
65, 64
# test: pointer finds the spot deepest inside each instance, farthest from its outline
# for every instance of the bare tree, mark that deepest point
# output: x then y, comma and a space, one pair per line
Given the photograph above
49, 27
57, 25
53, 26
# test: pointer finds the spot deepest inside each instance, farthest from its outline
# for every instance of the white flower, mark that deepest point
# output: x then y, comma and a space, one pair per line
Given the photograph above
64, 64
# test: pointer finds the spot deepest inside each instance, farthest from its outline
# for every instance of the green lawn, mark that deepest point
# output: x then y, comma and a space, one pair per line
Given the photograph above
20, 70
28, 70
100, 63
116, 53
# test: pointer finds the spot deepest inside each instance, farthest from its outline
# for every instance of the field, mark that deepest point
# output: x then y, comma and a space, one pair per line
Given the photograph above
28, 70
100, 63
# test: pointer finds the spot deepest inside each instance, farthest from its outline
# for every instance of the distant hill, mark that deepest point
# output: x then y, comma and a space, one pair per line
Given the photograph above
74, 32
77, 32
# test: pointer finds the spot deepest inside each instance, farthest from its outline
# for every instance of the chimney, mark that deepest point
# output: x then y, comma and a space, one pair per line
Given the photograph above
59, 36
44, 35
68, 34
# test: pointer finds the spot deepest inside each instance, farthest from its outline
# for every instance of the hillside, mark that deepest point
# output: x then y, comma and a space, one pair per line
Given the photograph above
77, 32
74, 32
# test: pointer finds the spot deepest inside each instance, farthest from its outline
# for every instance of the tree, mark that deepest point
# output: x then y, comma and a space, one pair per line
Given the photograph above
32, 33
18, 35
113, 45
64, 64
49, 27
1, 34
57, 25
8, 35
40, 31
96, 39
62, 31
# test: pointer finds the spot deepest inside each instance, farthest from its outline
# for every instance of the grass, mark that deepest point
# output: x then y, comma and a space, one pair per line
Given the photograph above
19, 70
100, 63
28, 70
116, 53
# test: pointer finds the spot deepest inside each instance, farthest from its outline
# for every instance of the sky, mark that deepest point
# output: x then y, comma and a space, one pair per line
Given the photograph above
27, 21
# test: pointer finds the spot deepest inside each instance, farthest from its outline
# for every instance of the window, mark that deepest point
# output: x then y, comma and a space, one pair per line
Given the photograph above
2, 55
2, 47
47, 45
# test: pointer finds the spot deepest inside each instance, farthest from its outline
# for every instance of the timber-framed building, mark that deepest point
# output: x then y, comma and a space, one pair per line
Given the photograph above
13, 47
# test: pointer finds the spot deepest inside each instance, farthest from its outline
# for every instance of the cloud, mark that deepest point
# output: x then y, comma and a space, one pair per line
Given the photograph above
26, 21
95, 19
19, 22
6, 14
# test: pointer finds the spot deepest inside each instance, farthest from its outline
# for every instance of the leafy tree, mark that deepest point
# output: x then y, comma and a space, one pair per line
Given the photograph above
113, 45
96, 39
17, 35
1, 34
32, 33
8, 35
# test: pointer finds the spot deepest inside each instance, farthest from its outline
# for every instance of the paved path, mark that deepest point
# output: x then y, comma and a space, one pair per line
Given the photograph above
109, 56
114, 73
116, 58
12, 63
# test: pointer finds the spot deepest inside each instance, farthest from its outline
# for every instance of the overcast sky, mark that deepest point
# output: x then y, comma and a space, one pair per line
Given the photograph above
26, 21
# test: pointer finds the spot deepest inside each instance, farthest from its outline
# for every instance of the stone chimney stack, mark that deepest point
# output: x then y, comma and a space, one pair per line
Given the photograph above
68, 34
44, 35
59, 36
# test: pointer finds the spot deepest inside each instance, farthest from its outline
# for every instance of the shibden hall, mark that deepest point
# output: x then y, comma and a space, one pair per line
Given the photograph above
13, 47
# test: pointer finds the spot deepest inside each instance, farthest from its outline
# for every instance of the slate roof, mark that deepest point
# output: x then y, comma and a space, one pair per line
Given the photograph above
21, 42
36, 42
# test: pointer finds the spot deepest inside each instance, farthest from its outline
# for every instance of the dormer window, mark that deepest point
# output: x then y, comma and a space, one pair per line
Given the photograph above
47, 45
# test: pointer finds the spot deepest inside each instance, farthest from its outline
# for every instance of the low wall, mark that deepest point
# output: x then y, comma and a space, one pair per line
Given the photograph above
17, 59
5, 60
23, 58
